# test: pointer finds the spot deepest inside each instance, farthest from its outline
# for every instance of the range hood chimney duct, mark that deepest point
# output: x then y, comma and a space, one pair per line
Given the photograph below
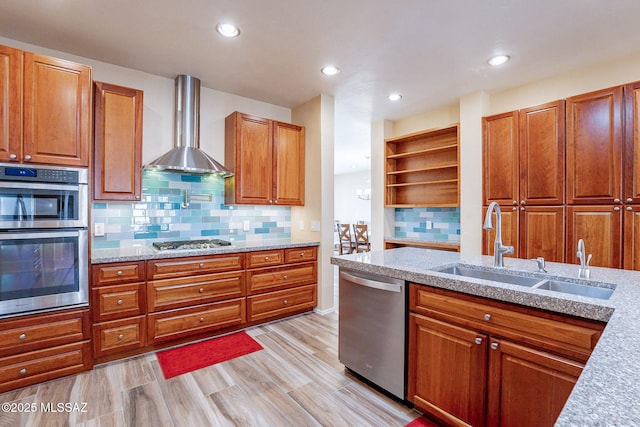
186, 156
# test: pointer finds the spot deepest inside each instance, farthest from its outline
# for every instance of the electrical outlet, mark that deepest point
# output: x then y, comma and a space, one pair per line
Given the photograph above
315, 225
429, 225
302, 225
98, 229
245, 225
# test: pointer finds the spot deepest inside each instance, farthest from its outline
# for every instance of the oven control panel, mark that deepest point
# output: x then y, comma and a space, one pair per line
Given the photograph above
43, 174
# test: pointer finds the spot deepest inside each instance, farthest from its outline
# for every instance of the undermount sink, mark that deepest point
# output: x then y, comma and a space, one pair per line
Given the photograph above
494, 276
576, 289
581, 289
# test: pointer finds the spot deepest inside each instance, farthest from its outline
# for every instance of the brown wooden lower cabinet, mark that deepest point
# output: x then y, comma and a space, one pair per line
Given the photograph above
119, 335
510, 229
474, 361
631, 239
281, 303
601, 229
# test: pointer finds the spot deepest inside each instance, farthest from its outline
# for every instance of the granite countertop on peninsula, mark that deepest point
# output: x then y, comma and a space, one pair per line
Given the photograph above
607, 391
142, 253
422, 242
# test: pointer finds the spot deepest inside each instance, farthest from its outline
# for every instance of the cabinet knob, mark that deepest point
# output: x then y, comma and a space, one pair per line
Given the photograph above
23, 337
13, 156
266, 258
301, 254
522, 203
285, 277
616, 201
515, 202
617, 208
202, 319
23, 371
629, 200
120, 302
121, 336
201, 265
494, 346
270, 202
285, 302
137, 197
487, 317
276, 201
201, 290
119, 273
478, 340
514, 209
522, 209
629, 208
27, 157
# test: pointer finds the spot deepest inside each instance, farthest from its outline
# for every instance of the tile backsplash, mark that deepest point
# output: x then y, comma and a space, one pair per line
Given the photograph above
160, 214
412, 223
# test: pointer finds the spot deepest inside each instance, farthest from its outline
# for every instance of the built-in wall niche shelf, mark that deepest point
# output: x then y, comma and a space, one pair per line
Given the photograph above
423, 169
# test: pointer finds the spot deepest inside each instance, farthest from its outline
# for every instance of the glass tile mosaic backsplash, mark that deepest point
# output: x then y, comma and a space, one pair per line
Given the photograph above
160, 214
412, 223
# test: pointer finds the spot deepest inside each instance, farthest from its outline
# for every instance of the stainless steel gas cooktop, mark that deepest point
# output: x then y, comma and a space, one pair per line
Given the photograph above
190, 244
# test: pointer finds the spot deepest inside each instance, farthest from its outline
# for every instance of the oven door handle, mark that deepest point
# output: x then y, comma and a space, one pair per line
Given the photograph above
375, 284
43, 234
31, 186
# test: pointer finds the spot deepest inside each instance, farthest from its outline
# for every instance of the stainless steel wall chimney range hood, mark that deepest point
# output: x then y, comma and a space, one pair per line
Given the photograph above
187, 156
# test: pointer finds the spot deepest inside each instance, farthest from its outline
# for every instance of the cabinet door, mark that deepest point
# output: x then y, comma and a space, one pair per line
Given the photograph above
510, 226
594, 147
632, 143
249, 151
447, 371
632, 238
542, 232
117, 172
57, 106
527, 387
542, 154
600, 228
10, 104
288, 173
500, 159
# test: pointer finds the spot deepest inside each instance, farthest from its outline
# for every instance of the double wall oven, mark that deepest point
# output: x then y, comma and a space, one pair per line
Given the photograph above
43, 238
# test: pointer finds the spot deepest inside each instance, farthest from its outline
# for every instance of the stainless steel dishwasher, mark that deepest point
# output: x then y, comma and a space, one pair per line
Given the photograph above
372, 328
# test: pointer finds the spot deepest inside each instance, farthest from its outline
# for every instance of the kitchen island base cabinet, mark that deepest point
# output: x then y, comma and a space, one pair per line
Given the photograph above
474, 361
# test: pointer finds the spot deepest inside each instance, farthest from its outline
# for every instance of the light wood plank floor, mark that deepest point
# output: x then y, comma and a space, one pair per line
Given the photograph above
296, 380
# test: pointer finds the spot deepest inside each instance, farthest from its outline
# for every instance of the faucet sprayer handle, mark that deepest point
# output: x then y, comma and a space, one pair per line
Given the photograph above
588, 259
541, 264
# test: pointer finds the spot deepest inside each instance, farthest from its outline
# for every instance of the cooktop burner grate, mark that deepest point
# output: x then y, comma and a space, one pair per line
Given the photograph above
190, 244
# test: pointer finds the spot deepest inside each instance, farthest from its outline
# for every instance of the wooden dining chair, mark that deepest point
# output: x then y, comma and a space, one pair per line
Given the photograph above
361, 233
347, 245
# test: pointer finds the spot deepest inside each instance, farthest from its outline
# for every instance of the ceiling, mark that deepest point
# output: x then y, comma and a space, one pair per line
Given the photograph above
431, 51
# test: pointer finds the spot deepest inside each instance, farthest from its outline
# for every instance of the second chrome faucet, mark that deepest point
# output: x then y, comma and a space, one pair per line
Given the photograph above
499, 249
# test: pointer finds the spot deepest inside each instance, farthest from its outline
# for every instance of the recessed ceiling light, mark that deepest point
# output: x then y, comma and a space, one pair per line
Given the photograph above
228, 30
330, 70
498, 60
395, 97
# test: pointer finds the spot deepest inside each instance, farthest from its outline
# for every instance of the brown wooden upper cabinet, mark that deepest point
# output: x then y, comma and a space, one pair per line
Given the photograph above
594, 147
48, 114
267, 158
500, 159
117, 172
632, 143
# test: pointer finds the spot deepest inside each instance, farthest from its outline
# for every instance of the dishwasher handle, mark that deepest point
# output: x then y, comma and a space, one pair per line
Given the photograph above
389, 287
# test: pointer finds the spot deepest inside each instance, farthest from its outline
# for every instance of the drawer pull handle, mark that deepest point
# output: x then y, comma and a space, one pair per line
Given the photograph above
494, 346
285, 277
120, 302
202, 319
121, 336
202, 265
23, 371
23, 337
266, 258
201, 290
119, 273
285, 302
487, 317
301, 254
478, 340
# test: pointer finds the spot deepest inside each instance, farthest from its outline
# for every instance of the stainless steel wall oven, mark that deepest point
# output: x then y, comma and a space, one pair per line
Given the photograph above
43, 238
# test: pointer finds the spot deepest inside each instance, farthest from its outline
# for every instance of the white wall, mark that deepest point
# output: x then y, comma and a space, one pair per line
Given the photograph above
158, 112
348, 208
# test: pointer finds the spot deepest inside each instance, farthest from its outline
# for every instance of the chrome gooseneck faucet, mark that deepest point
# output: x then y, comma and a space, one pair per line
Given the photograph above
583, 271
499, 250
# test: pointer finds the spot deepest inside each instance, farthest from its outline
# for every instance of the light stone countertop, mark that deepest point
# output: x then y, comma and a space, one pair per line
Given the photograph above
142, 253
607, 392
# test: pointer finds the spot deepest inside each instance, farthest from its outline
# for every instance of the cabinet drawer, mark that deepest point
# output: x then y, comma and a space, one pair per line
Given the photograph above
174, 293
173, 324
42, 365
165, 269
279, 278
118, 301
46, 330
119, 335
300, 254
280, 303
265, 258
111, 274
564, 334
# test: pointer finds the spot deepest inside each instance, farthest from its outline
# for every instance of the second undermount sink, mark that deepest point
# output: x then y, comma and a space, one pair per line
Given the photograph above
576, 289
581, 289
494, 276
